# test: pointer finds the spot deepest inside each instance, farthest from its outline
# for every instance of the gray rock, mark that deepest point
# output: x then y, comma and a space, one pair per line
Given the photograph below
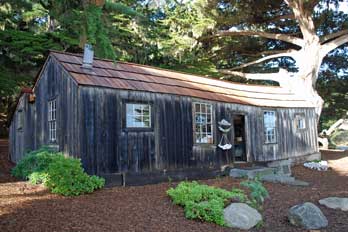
241, 216
308, 216
283, 167
283, 179
251, 173
335, 203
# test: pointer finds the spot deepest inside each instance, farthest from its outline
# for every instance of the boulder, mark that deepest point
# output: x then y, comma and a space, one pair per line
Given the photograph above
241, 216
308, 216
335, 203
283, 179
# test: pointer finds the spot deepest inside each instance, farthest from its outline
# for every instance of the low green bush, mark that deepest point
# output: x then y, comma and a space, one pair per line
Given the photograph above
258, 192
67, 177
207, 203
34, 162
62, 175
210, 211
193, 191
38, 177
202, 201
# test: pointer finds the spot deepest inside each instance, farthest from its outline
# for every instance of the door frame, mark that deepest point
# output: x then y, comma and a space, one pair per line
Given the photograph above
246, 133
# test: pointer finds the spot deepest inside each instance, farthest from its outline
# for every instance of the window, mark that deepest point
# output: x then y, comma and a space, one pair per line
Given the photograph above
138, 116
203, 126
20, 119
52, 123
269, 122
300, 123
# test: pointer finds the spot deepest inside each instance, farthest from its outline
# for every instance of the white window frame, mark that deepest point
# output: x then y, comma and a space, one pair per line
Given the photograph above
141, 115
270, 128
202, 135
300, 122
52, 120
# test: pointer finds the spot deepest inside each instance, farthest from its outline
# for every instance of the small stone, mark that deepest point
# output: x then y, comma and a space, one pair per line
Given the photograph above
308, 216
335, 203
241, 216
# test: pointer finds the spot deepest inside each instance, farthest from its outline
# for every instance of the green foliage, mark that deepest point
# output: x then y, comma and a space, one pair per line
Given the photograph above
258, 192
203, 202
210, 211
38, 177
62, 175
36, 161
339, 138
239, 194
97, 33
195, 192
67, 177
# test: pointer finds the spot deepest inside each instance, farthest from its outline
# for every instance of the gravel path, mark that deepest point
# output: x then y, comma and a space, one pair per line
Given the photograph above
24, 207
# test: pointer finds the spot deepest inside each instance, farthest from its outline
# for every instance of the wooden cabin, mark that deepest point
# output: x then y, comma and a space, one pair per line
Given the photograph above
124, 119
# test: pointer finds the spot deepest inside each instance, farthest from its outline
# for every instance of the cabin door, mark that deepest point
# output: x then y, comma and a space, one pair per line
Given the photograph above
239, 138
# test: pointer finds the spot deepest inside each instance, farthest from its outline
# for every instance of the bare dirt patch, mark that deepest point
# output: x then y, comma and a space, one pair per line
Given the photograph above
24, 207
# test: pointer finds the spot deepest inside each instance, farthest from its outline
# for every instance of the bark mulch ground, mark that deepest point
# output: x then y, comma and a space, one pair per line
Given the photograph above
24, 207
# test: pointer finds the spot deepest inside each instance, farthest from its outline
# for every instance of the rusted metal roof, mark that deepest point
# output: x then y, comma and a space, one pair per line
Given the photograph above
130, 76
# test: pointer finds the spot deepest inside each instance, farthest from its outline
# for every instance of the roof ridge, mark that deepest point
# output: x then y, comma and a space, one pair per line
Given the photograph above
168, 70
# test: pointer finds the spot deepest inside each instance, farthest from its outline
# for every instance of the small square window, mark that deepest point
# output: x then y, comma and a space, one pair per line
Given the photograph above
138, 115
300, 122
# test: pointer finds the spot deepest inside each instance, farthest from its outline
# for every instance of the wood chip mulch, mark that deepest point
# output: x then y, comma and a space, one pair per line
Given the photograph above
24, 207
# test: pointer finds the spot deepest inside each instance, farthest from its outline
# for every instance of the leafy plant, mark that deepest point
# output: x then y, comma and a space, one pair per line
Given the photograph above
239, 194
258, 192
38, 177
204, 202
210, 211
62, 175
193, 191
67, 177
34, 162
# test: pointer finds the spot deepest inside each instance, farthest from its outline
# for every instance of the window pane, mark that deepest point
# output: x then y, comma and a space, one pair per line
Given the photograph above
52, 116
269, 126
203, 109
138, 110
209, 116
197, 107
198, 138
138, 115
203, 122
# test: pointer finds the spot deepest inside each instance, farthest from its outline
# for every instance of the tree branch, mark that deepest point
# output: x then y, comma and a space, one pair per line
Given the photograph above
304, 16
289, 53
329, 46
326, 38
282, 77
283, 37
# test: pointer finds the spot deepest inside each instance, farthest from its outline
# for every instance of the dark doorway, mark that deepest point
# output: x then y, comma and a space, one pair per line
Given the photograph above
239, 138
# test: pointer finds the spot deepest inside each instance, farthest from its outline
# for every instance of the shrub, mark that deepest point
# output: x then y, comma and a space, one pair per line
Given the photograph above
202, 201
38, 177
210, 211
67, 177
35, 161
258, 192
62, 175
192, 191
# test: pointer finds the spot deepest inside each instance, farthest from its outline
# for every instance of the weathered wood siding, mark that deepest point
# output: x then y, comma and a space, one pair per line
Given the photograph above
90, 125
21, 138
54, 82
107, 146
